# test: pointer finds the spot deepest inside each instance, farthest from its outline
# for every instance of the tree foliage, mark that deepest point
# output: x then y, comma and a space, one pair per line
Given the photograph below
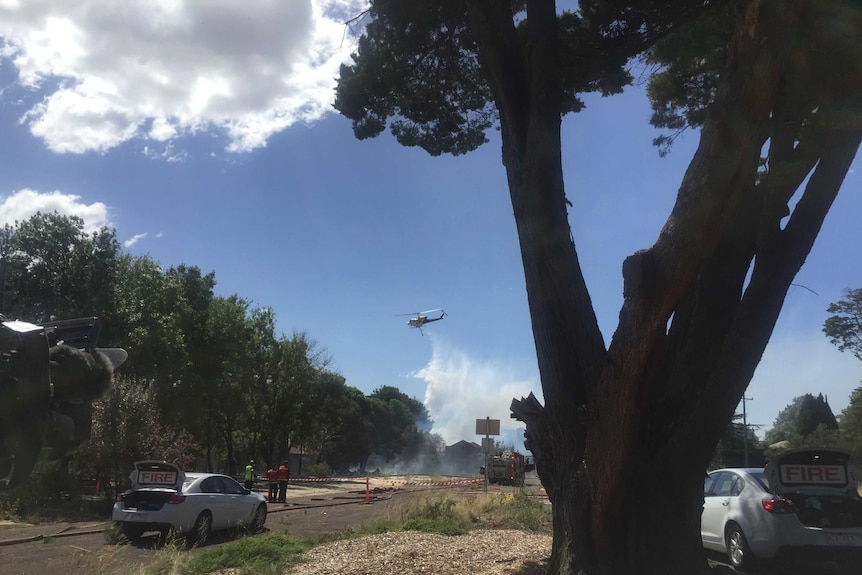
844, 329
419, 66
128, 427
53, 268
208, 381
738, 447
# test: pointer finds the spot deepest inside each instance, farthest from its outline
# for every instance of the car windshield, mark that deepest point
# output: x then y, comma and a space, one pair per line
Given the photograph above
188, 482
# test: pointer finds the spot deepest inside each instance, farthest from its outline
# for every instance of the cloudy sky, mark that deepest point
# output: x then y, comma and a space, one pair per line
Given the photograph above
202, 131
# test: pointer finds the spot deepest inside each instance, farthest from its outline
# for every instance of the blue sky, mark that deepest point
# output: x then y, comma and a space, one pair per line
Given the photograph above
202, 131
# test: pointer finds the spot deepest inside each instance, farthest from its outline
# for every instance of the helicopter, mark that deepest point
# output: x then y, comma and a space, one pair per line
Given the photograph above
422, 318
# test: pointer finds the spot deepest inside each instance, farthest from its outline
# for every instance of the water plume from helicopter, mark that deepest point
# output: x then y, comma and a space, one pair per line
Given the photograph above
460, 389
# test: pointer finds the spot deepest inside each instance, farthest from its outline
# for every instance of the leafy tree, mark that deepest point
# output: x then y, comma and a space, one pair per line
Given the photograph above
388, 393
225, 396
851, 424
322, 413
851, 416
801, 418
732, 447
845, 328
148, 327
290, 396
785, 423
353, 434
627, 429
127, 427
813, 413
55, 270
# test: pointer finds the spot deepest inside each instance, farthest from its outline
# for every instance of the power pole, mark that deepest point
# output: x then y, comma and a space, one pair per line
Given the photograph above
745, 427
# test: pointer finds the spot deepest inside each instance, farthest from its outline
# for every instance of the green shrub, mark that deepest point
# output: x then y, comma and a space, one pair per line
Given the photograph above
435, 516
321, 469
528, 513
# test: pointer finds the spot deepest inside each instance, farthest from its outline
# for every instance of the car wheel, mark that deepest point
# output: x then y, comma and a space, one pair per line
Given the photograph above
258, 520
738, 551
201, 530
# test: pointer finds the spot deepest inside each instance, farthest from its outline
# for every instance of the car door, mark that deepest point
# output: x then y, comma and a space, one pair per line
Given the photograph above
718, 489
237, 508
212, 489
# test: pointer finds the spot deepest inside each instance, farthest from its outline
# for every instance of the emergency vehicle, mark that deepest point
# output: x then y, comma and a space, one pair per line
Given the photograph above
507, 468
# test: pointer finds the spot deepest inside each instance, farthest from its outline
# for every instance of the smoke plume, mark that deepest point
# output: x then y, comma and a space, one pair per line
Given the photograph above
461, 389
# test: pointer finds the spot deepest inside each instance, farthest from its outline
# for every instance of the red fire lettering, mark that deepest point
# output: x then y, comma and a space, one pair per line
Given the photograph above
815, 474
792, 471
832, 474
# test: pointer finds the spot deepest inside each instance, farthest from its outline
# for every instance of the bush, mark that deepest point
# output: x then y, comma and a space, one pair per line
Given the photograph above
433, 516
321, 469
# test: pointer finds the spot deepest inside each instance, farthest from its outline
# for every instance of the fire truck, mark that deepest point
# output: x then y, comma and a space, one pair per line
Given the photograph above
507, 468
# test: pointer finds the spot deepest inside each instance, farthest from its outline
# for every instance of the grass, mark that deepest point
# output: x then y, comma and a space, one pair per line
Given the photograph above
455, 515
261, 555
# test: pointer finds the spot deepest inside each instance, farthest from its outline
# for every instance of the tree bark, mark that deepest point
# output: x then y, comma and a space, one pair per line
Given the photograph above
626, 434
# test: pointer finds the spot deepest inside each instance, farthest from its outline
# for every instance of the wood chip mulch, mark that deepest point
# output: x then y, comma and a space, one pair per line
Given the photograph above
479, 552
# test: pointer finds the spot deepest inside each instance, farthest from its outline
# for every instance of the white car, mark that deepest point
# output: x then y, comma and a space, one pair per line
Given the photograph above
806, 501
164, 499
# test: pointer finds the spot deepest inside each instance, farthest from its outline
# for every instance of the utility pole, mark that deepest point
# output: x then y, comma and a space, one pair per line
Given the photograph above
745, 427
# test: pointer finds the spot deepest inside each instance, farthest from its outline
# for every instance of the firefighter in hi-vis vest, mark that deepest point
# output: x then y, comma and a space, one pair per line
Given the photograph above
249, 475
272, 482
283, 476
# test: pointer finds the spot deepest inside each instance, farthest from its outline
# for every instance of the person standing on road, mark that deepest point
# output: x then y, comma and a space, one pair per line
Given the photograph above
272, 483
249, 474
283, 476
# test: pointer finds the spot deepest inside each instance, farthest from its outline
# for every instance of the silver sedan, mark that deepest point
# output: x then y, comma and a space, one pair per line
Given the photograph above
163, 498
805, 502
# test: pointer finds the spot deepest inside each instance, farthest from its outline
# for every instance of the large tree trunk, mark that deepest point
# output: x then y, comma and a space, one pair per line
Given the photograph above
626, 433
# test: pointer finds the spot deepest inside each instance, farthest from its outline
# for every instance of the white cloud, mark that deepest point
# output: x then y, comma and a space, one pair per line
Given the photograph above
134, 239
22, 204
795, 364
461, 389
168, 154
111, 71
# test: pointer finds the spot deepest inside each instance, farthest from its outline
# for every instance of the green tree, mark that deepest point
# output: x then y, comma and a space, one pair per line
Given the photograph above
323, 413
813, 413
851, 416
641, 416
361, 426
785, 423
127, 427
844, 329
291, 399
734, 444
54, 269
226, 396
851, 423
800, 418
388, 393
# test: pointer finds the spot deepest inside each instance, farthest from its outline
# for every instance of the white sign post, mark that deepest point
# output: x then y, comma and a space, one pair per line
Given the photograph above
487, 427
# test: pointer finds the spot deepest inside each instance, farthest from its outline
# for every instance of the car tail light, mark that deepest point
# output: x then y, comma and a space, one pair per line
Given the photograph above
176, 498
778, 505
119, 497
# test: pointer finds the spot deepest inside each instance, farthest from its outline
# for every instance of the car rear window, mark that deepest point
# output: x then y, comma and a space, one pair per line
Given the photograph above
760, 477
